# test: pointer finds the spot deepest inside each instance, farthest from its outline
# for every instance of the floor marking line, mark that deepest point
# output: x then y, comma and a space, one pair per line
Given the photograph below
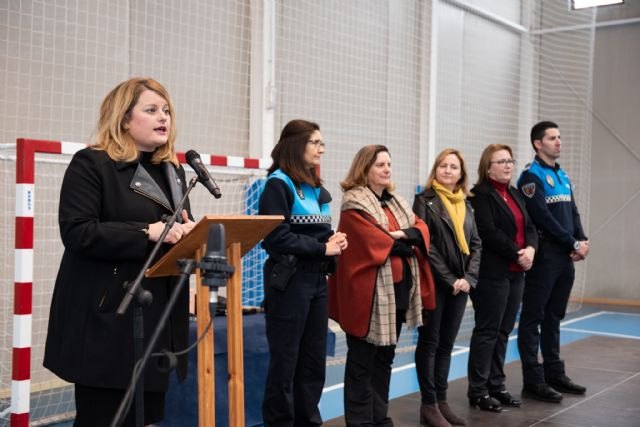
586, 399
606, 334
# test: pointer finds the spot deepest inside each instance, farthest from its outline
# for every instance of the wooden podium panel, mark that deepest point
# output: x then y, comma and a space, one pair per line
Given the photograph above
247, 230
242, 232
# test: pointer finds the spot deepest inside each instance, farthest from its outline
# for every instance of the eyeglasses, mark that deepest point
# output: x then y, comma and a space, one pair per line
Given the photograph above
316, 142
503, 162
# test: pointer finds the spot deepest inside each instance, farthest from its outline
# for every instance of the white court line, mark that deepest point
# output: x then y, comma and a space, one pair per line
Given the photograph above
333, 387
622, 313
606, 334
585, 400
338, 386
562, 324
588, 316
462, 350
393, 370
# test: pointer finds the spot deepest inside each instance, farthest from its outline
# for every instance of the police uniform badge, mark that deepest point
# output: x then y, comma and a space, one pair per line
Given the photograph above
529, 189
550, 181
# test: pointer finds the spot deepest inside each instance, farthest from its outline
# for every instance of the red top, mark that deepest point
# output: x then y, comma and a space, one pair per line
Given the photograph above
502, 190
352, 286
396, 262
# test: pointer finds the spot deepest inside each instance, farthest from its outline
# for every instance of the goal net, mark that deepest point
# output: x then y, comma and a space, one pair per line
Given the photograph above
50, 398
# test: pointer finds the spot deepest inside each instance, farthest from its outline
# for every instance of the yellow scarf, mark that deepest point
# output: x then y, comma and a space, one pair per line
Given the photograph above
457, 209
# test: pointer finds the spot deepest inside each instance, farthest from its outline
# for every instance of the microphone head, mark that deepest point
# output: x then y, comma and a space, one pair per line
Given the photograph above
214, 261
194, 160
192, 156
216, 241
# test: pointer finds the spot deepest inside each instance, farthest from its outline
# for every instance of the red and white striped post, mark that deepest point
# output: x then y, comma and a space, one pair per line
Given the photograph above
23, 271
23, 276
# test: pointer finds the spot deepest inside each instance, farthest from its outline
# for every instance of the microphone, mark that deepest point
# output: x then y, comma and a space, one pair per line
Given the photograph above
194, 160
214, 262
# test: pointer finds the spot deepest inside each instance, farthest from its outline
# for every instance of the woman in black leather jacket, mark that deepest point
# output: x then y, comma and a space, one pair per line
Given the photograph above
455, 261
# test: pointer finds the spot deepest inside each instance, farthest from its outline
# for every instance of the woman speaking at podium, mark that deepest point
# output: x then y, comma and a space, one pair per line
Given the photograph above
112, 199
301, 251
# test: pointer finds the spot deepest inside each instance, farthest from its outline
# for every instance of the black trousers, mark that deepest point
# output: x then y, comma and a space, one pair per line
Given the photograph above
96, 407
296, 322
544, 304
435, 342
367, 375
495, 304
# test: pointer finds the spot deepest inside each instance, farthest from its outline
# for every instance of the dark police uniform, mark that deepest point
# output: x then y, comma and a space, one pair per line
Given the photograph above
296, 307
548, 195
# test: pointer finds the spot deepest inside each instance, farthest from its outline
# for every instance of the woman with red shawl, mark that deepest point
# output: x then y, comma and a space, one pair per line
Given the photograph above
381, 281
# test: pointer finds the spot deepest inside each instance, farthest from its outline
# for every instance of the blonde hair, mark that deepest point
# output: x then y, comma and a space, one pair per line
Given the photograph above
360, 166
485, 160
115, 112
462, 183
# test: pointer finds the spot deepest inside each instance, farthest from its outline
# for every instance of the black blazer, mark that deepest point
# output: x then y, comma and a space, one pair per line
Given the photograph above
448, 263
104, 208
497, 228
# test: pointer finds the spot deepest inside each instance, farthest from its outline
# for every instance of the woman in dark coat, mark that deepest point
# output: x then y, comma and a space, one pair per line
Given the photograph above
112, 199
455, 260
509, 242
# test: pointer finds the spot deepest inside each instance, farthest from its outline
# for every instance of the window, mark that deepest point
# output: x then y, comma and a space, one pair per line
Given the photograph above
582, 4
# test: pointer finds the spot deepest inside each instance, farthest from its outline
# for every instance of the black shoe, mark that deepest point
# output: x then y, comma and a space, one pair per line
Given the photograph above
565, 385
486, 403
506, 399
541, 392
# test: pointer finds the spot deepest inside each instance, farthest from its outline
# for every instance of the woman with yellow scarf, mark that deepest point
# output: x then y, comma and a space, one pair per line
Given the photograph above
455, 261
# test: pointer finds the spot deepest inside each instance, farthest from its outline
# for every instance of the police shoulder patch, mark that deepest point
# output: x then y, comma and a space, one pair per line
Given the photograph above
529, 189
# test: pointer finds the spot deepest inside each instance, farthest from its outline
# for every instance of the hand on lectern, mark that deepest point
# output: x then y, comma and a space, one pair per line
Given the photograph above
177, 232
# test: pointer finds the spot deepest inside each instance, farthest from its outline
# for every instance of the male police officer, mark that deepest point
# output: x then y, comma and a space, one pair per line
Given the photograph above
549, 200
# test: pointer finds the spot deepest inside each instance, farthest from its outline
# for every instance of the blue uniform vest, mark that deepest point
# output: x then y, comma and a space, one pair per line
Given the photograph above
554, 192
306, 208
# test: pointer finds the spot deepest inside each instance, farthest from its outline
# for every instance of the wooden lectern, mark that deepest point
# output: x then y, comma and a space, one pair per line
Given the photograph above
242, 233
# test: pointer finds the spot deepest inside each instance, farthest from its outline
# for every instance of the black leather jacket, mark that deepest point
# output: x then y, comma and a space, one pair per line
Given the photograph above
447, 261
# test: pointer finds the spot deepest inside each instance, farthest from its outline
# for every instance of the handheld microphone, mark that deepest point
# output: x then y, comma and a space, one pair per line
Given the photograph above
194, 160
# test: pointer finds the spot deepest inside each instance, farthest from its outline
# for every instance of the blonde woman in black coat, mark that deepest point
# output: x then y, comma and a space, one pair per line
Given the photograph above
509, 242
455, 260
112, 199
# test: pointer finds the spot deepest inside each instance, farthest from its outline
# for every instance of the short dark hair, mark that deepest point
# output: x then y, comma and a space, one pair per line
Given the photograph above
288, 153
538, 130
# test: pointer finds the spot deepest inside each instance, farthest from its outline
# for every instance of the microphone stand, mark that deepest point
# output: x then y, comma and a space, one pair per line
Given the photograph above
214, 267
186, 268
144, 298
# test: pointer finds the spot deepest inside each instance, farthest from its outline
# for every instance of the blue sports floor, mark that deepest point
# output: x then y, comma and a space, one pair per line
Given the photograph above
601, 347
587, 322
